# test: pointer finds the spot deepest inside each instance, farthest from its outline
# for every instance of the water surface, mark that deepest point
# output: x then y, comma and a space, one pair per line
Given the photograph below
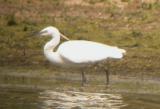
42, 89
52, 99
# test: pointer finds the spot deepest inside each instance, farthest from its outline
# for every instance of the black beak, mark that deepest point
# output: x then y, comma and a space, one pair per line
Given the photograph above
36, 33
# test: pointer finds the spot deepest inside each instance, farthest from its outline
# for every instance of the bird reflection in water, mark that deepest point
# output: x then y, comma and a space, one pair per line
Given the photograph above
80, 100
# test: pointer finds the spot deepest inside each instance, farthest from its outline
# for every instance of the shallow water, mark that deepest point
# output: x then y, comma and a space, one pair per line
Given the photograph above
51, 99
38, 90
70, 99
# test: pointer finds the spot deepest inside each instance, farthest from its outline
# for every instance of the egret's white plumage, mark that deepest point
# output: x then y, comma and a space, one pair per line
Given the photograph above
87, 51
77, 53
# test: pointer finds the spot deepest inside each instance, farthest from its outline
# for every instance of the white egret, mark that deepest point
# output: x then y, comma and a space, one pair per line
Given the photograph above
77, 53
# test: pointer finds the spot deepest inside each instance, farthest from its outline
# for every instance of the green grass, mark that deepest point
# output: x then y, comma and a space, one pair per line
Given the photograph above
136, 29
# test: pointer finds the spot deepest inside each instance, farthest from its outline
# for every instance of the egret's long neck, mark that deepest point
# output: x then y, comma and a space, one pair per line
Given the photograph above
49, 50
50, 46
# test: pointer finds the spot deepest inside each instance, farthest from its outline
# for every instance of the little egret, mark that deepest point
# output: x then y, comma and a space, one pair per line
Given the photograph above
77, 53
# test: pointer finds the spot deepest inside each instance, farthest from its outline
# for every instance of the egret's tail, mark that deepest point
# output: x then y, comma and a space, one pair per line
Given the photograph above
123, 51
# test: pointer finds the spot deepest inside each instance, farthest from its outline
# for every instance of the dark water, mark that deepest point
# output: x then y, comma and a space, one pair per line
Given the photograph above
50, 99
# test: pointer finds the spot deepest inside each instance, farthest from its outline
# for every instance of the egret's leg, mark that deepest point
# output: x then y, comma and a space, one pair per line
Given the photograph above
84, 79
107, 76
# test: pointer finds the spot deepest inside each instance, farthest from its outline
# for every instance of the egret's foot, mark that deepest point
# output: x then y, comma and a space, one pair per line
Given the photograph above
84, 79
84, 82
107, 81
107, 86
107, 77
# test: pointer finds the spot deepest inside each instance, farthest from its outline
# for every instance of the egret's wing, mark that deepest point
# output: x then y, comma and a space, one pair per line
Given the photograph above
87, 51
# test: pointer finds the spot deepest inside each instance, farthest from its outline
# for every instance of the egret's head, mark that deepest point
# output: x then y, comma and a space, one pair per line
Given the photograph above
51, 31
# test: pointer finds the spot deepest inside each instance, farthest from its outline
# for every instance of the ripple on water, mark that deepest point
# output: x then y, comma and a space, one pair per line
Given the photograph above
80, 100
